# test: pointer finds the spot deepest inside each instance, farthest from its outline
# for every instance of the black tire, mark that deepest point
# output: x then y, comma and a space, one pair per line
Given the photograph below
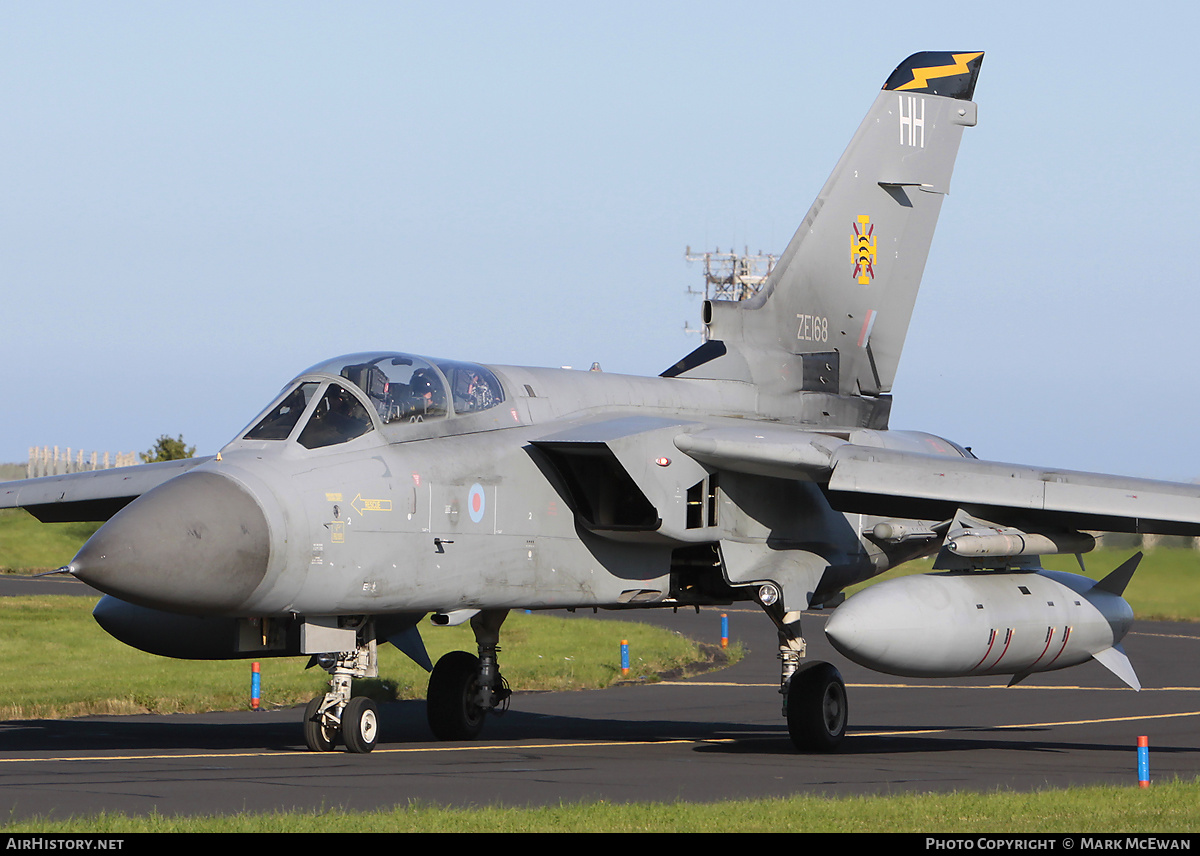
360, 725
318, 736
816, 708
450, 703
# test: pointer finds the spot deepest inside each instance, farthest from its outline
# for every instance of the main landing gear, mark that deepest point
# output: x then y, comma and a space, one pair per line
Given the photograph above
815, 707
814, 695
463, 687
337, 715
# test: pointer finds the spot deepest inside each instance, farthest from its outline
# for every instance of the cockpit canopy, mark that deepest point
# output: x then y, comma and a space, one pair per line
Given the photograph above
402, 388
408, 388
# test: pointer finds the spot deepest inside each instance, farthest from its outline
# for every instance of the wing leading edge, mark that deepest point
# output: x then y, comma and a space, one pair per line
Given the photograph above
89, 496
915, 485
907, 484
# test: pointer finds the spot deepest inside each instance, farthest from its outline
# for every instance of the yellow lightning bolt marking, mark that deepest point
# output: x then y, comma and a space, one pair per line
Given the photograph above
922, 76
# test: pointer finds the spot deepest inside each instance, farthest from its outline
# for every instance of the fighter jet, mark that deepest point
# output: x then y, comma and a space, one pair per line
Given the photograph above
381, 488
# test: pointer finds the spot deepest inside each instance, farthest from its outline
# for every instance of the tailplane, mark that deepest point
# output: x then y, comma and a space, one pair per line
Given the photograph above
833, 315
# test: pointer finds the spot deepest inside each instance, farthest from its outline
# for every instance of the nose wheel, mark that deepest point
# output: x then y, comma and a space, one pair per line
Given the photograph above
336, 715
360, 725
320, 731
357, 725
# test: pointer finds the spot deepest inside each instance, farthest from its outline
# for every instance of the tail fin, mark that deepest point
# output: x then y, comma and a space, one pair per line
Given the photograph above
835, 311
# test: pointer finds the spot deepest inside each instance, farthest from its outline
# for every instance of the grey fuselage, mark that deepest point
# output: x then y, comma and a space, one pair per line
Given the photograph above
478, 511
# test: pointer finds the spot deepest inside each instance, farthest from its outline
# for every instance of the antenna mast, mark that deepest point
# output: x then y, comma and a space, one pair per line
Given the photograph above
730, 276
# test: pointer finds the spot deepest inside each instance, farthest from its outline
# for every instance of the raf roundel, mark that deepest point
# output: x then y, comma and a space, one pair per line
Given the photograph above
475, 503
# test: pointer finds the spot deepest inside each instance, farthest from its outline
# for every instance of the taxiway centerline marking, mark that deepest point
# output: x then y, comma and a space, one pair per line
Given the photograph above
1166, 635
966, 729
525, 747
928, 686
521, 747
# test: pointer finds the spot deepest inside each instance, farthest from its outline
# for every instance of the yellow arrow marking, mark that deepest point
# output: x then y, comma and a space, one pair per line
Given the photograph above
360, 505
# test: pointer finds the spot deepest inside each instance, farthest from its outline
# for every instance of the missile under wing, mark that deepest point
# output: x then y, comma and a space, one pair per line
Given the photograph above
383, 487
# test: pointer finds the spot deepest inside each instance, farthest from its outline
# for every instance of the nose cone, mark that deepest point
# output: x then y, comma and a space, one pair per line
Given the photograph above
198, 543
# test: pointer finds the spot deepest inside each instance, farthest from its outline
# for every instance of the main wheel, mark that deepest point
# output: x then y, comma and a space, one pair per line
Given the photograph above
816, 707
450, 703
360, 725
319, 736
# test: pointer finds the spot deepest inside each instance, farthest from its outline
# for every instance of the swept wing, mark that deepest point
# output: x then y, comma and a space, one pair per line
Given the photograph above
904, 483
92, 495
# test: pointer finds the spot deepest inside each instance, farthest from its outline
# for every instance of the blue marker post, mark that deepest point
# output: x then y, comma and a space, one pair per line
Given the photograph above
1143, 762
724, 630
255, 686
624, 656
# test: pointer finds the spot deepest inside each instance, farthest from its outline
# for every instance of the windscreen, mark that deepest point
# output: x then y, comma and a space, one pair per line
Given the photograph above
337, 418
278, 424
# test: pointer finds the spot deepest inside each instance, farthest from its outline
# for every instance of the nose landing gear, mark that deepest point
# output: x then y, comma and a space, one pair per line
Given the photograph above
335, 714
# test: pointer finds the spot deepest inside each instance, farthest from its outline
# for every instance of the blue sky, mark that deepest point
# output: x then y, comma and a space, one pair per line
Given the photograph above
201, 200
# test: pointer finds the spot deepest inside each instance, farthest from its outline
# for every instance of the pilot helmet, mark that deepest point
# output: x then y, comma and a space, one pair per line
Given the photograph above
422, 382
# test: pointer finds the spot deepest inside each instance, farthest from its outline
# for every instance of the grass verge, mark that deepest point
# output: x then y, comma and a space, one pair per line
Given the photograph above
1168, 807
541, 652
1166, 586
29, 546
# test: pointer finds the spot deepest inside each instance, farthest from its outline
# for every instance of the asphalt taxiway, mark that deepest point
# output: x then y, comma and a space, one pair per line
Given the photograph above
718, 736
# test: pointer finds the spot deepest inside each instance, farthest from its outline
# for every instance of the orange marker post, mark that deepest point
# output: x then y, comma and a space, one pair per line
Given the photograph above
255, 685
